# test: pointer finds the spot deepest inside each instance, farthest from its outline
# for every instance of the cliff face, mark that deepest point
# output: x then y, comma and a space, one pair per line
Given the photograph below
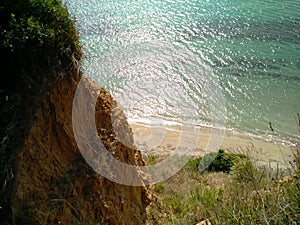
54, 184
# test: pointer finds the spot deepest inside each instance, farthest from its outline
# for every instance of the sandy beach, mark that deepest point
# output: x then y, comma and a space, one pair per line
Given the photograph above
162, 141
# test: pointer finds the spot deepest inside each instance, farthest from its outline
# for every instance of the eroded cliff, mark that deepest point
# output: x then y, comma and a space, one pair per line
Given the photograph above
51, 183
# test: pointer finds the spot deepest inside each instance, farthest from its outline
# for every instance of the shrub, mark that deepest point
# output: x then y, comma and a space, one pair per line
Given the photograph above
252, 197
38, 40
216, 161
244, 170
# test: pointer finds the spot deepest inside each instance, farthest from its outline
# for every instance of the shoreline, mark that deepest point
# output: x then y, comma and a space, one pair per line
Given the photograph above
162, 140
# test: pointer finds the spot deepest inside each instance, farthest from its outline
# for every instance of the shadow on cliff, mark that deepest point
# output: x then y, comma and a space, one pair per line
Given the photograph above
43, 176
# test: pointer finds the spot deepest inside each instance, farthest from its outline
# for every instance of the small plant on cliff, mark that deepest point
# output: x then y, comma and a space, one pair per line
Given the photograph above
159, 187
151, 159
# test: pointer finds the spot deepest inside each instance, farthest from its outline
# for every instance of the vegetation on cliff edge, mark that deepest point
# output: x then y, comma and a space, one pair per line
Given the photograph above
39, 46
38, 42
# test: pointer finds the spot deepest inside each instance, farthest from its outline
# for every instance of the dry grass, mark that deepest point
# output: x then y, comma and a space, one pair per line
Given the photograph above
247, 195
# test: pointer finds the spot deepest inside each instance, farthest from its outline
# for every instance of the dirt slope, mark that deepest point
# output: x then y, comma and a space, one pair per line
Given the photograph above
53, 184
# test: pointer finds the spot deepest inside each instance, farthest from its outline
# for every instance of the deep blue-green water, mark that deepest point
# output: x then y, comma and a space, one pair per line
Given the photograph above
181, 61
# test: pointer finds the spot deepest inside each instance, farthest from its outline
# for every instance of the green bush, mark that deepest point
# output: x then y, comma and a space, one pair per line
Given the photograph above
216, 161
38, 40
252, 197
244, 170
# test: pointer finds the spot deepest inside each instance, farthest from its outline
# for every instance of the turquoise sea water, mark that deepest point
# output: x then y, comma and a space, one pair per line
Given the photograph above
180, 61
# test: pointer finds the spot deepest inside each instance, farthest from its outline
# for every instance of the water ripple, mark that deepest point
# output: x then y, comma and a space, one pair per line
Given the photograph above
161, 49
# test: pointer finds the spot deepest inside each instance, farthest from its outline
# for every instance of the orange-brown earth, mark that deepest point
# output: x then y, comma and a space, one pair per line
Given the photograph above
53, 184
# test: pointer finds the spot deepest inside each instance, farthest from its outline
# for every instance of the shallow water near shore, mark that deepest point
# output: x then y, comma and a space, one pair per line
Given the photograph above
183, 61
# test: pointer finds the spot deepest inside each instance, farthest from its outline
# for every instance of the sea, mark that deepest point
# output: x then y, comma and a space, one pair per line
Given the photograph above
232, 64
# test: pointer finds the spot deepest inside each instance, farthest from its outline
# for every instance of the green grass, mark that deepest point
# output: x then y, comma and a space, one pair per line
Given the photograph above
159, 187
151, 159
244, 195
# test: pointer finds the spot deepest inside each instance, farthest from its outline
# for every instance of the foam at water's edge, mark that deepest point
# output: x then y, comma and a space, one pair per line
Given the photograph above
176, 126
